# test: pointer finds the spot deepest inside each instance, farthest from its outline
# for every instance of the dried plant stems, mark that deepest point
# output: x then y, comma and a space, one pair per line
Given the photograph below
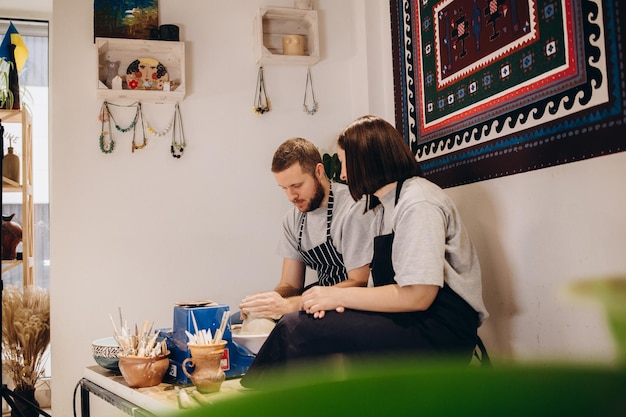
25, 333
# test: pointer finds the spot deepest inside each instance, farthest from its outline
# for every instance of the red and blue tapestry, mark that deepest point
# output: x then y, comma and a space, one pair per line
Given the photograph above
488, 88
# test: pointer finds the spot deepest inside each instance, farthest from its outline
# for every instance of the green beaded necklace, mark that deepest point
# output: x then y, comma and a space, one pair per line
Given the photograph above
107, 116
104, 117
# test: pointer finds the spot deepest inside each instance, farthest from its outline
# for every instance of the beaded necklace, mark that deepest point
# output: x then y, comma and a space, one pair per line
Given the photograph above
309, 82
106, 116
261, 102
177, 148
145, 140
163, 132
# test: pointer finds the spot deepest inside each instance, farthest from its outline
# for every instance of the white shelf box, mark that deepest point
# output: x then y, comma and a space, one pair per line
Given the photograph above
273, 23
169, 53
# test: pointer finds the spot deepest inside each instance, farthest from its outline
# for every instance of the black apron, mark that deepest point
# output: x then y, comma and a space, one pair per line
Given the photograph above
381, 265
447, 308
324, 258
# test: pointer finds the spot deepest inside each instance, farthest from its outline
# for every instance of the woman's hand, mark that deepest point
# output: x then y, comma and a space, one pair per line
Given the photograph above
317, 300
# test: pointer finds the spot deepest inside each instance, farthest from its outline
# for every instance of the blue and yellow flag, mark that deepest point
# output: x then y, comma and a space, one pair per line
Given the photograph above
12, 37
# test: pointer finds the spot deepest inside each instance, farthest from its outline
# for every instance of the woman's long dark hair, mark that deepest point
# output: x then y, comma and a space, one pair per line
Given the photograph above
376, 155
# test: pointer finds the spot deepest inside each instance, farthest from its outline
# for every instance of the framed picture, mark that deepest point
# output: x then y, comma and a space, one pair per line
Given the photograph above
132, 19
488, 88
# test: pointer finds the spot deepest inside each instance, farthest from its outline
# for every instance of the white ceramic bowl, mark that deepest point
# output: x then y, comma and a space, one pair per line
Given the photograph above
252, 342
105, 352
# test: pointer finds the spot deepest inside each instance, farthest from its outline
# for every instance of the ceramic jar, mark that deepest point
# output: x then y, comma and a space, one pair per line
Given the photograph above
206, 360
294, 44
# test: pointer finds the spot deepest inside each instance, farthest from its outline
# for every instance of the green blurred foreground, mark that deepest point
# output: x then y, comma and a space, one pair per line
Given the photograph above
411, 388
432, 390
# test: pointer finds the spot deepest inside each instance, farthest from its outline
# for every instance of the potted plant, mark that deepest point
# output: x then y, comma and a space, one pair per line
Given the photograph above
25, 339
332, 166
6, 95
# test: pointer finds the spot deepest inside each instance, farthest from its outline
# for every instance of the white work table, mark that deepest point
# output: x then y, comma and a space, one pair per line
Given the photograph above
151, 401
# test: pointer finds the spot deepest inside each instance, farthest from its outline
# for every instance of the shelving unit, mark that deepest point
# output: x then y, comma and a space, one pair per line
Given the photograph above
25, 187
273, 23
169, 53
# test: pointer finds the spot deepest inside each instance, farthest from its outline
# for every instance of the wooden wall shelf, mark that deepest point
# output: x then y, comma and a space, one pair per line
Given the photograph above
169, 53
273, 23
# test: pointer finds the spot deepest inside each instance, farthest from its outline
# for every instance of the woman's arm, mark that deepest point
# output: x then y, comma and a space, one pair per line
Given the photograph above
388, 298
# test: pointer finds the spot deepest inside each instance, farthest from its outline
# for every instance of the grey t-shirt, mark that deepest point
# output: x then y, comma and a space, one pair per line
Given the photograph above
431, 244
350, 230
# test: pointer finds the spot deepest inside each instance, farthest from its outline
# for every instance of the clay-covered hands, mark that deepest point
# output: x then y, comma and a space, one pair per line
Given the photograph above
317, 300
267, 304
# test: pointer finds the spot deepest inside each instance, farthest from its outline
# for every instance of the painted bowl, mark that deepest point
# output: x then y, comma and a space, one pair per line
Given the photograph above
105, 351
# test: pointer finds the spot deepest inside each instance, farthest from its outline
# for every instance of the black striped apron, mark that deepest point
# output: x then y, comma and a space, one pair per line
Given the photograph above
324, 258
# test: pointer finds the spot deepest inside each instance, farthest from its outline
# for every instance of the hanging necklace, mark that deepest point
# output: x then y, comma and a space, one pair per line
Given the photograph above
143, 132
107, 116
309, 82
104, 117
118, 127
261, 103
163, 132
177, 148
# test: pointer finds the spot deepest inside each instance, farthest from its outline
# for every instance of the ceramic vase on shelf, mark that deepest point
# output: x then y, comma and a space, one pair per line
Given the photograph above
11, 166
11, 237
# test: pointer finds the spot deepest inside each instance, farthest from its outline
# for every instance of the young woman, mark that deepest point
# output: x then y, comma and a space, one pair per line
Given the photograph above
427, 293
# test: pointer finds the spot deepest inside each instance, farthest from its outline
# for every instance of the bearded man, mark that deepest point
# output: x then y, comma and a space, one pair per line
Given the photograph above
325, 230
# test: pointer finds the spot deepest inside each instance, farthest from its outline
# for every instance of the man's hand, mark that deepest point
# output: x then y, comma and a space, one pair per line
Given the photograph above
267, 304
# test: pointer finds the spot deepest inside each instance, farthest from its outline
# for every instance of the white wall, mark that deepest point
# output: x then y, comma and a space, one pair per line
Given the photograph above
535, 233
141, 231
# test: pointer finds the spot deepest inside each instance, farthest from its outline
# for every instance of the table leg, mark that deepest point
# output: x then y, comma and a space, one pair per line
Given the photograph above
84, 401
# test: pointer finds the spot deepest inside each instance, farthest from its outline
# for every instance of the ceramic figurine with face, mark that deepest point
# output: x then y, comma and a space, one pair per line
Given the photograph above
146, 74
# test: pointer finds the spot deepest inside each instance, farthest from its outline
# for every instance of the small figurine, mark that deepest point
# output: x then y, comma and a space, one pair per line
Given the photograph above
112, 69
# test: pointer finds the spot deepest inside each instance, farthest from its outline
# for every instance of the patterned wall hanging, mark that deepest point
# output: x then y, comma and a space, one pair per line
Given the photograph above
488, 88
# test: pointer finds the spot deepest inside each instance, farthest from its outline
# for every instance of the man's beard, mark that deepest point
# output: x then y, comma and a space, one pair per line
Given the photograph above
318, 197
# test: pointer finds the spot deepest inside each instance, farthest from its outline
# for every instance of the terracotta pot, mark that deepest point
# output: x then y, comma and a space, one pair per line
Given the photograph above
141, 372
206, 361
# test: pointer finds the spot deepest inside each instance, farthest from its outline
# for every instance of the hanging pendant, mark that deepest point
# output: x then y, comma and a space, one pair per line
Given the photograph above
177, 148
159, 133
154, 132
139, 115
104, 147
105, 117
143, 145
309, 84
261, 102
108, 115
